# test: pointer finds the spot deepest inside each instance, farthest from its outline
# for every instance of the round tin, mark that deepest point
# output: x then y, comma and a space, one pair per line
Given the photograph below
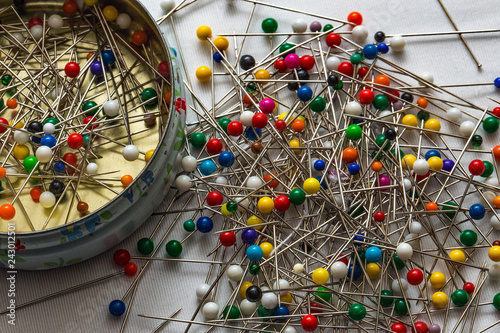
119, 218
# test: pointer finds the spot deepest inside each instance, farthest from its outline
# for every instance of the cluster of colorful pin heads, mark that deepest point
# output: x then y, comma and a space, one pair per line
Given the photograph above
62, 142
333, 181
122, 258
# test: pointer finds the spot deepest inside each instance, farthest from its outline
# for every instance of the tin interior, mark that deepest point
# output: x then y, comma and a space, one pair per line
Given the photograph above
141, 19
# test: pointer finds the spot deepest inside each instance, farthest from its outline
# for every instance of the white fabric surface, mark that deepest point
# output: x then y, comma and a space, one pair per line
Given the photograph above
166, 287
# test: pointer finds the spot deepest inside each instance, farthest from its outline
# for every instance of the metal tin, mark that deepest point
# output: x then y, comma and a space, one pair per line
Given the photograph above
102, 229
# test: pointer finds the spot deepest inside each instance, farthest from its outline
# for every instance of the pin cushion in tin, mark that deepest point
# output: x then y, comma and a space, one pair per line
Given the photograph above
91, 124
